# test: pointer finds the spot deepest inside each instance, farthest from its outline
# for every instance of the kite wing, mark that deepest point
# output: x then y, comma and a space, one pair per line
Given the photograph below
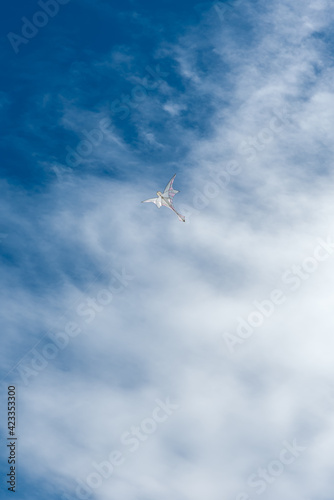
169, 192
157, 201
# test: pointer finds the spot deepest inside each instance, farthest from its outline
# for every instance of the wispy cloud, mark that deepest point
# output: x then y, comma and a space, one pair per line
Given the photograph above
244, 117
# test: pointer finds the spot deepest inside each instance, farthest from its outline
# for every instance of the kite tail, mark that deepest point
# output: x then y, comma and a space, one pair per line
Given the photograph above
180, 217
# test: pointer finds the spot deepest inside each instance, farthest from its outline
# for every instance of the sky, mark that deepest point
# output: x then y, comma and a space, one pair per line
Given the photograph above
154, 359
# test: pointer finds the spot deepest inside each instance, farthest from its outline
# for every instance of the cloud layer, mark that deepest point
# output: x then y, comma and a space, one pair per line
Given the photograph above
155, 359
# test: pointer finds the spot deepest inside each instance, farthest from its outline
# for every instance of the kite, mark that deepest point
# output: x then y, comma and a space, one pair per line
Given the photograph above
166, 198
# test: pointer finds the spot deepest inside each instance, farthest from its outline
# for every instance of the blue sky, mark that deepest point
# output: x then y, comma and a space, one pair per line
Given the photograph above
154, 359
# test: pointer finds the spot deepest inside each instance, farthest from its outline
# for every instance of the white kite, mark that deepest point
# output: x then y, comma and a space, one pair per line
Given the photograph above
166, 198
